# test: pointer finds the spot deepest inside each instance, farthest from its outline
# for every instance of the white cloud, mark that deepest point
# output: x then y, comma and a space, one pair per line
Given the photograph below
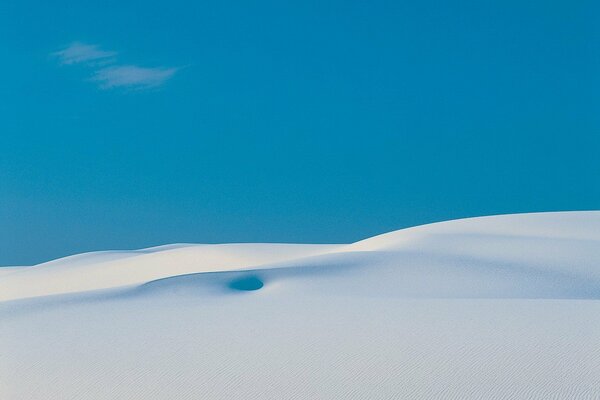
132, 76
114, 75
79, 52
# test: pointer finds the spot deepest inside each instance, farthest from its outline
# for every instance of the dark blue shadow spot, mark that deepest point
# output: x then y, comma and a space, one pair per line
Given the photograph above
247, 283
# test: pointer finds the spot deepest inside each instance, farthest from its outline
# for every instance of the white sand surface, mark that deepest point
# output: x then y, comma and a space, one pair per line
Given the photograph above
502, 307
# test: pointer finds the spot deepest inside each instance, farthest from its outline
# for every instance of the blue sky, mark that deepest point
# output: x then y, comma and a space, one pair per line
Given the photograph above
126, 124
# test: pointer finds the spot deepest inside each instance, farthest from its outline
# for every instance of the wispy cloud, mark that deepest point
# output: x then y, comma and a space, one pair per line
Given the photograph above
78, 52
132, 76
107, 73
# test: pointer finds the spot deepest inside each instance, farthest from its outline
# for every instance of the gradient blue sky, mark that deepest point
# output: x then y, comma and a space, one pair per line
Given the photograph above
288, 121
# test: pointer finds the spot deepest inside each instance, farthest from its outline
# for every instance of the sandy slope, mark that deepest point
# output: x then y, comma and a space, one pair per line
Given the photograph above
504, 307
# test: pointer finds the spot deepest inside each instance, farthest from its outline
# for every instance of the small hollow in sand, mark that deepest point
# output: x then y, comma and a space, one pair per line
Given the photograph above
247, 283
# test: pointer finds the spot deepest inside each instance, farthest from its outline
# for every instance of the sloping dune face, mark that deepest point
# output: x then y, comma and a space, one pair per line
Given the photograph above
502, 307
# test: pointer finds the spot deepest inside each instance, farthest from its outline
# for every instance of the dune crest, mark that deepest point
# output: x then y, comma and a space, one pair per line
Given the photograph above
549, 254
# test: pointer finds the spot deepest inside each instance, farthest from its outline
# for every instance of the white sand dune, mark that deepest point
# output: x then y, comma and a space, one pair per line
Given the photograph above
502, 307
